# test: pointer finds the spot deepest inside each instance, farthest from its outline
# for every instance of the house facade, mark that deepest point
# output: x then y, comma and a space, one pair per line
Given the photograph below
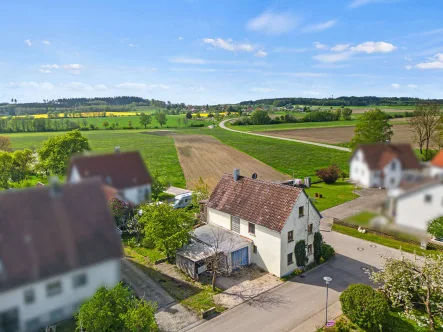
436, 165
125, 172
382, 165
58, 245
415, 203
273, 216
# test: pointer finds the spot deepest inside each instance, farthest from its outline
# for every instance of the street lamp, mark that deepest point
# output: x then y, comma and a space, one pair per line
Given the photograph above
327, 280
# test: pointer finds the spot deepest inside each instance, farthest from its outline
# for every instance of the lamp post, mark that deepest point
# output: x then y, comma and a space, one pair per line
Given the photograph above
327, 280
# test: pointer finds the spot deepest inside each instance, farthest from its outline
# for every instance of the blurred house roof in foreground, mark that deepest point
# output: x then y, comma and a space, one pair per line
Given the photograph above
438, 159
47, 231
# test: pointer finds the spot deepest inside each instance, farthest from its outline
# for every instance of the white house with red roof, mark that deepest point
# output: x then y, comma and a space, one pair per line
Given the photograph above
436, 165
382, 164
273, 216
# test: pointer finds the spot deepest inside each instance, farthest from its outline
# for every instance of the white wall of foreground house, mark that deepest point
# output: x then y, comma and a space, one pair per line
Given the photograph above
413, 210
267, 241
74, 176
47, 310
138, 194
435, 171
299, 225
359, 171
392, 174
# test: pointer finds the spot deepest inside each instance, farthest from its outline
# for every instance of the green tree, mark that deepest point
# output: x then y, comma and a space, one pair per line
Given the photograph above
5, 143
145, 119
22, 163
157, 186
260, 117
116, 309
5, 169
435, 227
411, 283
300, 253
161, 118
346, 113
337, 113
373, 127
105, 124
56, 151
189, 115
318, 241
200, 192
167, 228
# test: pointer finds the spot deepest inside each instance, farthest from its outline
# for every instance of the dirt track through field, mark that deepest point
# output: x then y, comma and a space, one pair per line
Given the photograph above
335, 135
206, 157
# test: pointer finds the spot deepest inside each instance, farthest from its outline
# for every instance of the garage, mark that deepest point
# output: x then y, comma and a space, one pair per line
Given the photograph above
240, 258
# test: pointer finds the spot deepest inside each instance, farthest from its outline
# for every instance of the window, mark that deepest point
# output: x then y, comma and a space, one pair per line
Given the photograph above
393, 166
309, 249
29, 296
301, 211
9, 320
254, 249
310, 228
53, 288
290, 261
235, 224
251, 228
428, 198
79, 280
290, 236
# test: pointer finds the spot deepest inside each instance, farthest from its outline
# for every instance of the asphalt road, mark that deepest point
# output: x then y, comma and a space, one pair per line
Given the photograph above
335, 147
298, 305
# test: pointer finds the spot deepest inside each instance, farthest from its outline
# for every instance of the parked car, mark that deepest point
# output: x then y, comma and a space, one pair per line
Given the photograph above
181, 201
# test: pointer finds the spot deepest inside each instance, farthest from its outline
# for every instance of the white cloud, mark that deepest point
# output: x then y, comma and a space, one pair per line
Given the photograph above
408, 58
180, 38
197, 88
154, 69
100, 87
229, 45
408, 67
27, 41
79, 86
332, 57
359, 3
273, 23
435, 62
340, 47
188, 61
73, 66
27, 85
45, 71
131, 45
261, 54
412, 86
320, 26
46, 42
54, 66
140, 86
395, 85
320, 46
374, 47
262, 90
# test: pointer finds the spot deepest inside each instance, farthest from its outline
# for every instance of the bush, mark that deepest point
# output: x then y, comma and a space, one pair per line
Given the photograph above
197, 125
327, 251
300, 253
329, 174
364, 306
318, 240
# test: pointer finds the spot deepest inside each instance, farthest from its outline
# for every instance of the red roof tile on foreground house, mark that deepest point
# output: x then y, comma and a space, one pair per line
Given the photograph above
378, 155
119, 170
51, 230
260, 202
438, 159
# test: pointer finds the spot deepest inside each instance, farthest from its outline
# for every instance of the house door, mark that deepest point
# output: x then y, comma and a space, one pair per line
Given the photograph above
240, 258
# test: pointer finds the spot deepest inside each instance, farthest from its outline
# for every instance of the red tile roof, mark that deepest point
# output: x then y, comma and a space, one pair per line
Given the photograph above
378, 155
260, 202
44, 233
119, 170
438, 159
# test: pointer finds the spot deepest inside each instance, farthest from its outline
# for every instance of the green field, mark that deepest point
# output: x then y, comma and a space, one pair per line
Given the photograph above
332, 194
289, 126
158, 152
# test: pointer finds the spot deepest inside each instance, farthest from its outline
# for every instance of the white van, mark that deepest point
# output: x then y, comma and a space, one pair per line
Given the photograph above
181, 201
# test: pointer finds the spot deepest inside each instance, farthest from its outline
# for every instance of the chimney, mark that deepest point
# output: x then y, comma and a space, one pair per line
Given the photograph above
236, 174
55, 189
117, 149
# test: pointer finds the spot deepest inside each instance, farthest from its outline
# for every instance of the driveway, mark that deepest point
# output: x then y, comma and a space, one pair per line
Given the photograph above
371, 199
171, 316
298, 305
335, 147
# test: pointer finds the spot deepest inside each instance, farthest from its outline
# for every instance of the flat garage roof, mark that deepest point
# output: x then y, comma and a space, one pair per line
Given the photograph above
224, 239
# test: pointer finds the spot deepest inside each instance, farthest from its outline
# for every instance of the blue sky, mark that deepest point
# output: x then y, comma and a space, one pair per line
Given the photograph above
200, 52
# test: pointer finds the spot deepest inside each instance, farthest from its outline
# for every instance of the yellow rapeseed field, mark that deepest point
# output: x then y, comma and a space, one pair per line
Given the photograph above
84, 114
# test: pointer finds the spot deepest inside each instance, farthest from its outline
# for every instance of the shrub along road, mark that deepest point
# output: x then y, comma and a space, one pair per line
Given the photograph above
222, 125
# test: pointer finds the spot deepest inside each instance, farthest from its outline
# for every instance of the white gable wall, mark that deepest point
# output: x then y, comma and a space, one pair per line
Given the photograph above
298, 224
103, 274
138, 194
359, 171
435, 171
392, 174
74, 177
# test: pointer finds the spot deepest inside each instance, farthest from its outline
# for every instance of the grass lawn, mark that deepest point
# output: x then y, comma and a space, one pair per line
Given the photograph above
361, 219
288, 126
194, 295
388, 242
333, 194
158, 152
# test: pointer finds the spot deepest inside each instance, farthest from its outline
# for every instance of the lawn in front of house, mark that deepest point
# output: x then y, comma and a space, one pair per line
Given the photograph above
194, 295
332, 194
361, 219
388, 242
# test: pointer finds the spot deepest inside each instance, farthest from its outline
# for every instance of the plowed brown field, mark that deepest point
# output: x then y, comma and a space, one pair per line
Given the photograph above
335, 135
204, 156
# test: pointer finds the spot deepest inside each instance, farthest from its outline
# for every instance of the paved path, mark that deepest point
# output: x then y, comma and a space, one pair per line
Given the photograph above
298, 305
171, 316
369, 200
222, 125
